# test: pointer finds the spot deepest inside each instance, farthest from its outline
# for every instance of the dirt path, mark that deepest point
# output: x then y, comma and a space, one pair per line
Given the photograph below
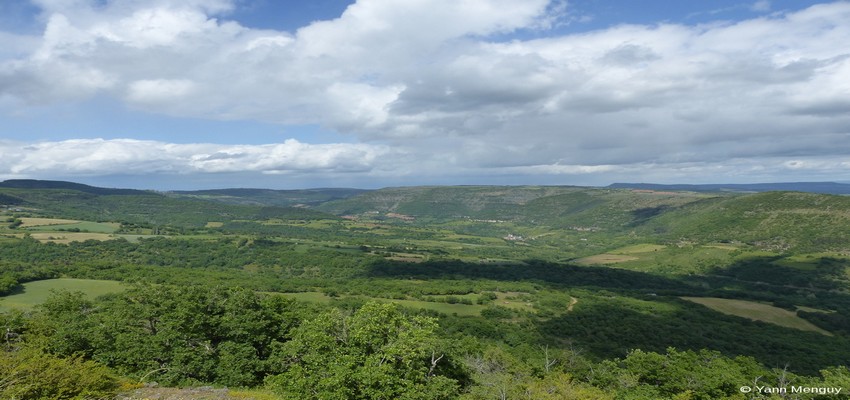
573, 302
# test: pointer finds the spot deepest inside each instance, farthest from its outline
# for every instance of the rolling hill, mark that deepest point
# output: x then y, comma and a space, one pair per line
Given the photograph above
76, 201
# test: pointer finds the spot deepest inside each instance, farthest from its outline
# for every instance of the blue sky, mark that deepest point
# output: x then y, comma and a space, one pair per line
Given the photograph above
169, 94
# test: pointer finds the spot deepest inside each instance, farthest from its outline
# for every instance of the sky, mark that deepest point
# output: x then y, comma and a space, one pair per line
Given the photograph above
196, 94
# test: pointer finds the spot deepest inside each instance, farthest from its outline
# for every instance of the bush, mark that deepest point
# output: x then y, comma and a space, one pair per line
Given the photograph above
33, 374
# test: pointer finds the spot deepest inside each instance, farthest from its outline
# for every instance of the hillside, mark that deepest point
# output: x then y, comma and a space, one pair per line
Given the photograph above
522, 287
78, 187
269, 197
776, 220
557, 205
75, 201
809, 187
779, 221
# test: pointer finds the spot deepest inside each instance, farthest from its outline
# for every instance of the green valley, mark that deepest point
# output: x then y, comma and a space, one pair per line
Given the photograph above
469, 292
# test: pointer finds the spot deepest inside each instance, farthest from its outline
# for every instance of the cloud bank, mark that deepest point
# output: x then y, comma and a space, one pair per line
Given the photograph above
668, 102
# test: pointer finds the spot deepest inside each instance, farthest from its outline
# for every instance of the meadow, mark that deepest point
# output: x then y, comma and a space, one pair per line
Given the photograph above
758, 312
37, 292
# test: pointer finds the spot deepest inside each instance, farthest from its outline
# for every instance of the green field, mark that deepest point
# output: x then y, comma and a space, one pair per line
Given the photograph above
68, 237
758, 312
84, 226
37, 292
29, 222
604, 259
638, 248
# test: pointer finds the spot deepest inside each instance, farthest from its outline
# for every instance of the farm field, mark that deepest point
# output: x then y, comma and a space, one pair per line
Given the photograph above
29, 222
758, 312
604, 259
68, 237
37, 292
638, 249
85, 226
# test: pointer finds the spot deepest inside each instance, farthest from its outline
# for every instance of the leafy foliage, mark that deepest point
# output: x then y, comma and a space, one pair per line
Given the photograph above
376, 353
515, 309
29, 373
174, 335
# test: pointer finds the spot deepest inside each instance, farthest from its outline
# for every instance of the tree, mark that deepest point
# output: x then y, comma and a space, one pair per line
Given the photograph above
376, 353
30, 373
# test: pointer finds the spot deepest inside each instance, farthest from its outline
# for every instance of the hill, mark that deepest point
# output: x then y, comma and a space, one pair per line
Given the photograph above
809, 187
777, 220
79, 187
774, 220
269, 197
770, 220
82, 202
556, 206
506, 285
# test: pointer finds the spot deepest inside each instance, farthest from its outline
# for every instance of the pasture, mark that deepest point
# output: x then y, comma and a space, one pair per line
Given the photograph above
37, 292
68, 237
638, 249
31, 222
605, 258
757, 312
83, 226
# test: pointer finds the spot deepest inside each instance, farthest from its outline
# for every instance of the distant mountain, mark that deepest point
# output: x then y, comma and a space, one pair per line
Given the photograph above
39, 184
556, 206
777, 220
809, 187
269, 197
84, 202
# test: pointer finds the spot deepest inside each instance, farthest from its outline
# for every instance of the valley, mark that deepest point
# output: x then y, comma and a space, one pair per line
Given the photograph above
515, 287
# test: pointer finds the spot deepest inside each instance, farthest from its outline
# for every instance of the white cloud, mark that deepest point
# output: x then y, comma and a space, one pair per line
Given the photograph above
158, 90
761, 6
128, 156
425, 77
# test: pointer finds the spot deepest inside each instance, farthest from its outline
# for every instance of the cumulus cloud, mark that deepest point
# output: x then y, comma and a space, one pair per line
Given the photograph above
127, 156
591, 103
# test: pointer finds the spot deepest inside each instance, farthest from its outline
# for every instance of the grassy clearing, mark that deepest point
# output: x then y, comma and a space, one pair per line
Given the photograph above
758, 312
214, 224
96, 227
604, 259
313, 297
68, 237
515, 300
37, 292
30, 222
807, 262
639, 248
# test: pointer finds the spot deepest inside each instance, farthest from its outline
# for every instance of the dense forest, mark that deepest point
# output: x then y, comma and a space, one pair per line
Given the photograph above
424, 293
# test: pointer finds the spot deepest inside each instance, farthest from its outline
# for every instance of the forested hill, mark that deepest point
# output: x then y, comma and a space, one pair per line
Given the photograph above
810, 187
780, 220
72, 200
270, 197
41, 184
454, 292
